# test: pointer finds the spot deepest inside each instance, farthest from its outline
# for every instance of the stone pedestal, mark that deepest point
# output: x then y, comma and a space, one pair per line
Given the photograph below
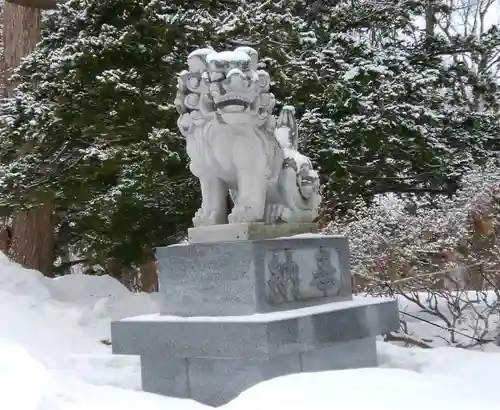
237, 313
248, 231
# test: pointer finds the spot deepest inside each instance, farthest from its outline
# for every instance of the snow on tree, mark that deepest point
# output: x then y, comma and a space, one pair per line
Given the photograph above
384, 122
477, 24
95, 102
380, 110
381, 107
432, 252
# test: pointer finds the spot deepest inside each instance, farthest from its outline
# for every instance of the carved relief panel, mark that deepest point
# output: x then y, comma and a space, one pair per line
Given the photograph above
299, 274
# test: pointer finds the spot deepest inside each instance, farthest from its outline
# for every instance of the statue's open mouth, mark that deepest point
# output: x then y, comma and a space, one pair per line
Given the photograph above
232, 105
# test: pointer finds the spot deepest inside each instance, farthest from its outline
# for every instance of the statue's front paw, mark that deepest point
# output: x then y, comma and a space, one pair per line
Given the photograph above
198, 218
242, 214
204, 217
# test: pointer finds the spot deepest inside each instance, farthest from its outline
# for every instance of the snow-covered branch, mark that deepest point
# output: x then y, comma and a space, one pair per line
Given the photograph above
440, 256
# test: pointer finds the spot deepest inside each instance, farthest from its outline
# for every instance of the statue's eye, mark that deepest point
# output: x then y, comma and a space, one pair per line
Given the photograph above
217, 76
244, 65
220, 64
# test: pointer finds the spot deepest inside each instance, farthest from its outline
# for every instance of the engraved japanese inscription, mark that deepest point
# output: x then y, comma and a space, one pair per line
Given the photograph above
324, 277
284, 279
299, 274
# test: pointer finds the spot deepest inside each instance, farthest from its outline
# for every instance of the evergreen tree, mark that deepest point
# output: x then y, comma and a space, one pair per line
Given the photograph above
382, 109
389, 121
95, 102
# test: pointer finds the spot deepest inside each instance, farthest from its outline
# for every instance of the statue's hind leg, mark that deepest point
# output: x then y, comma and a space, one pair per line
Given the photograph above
213, 209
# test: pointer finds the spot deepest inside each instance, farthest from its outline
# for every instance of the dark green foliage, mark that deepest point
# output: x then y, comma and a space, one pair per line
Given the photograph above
381, 109
385, 122
95, 105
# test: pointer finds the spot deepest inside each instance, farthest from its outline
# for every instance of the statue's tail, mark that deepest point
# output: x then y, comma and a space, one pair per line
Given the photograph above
287, 130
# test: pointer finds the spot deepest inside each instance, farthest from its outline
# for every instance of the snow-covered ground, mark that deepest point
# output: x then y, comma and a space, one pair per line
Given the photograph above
52, 357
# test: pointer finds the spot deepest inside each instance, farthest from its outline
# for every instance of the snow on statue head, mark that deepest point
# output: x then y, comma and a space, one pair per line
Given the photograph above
235, 145
225, 87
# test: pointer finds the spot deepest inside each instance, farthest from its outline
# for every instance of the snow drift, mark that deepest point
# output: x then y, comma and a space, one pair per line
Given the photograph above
52, 358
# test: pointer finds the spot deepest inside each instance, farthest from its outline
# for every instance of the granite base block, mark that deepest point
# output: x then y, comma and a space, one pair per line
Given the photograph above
248, 231
213, 359
215, 381
247, 277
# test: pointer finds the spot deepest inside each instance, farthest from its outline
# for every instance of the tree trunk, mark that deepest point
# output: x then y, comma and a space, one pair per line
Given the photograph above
149, 276
5, 238
33, 238
21, 32
32, 231
2, 59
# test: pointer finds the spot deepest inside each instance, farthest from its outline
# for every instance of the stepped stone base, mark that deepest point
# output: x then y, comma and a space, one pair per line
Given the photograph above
241, 312
215, 382
213, 359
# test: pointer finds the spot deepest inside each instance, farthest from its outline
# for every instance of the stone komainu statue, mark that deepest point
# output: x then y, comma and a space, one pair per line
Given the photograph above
236, 145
